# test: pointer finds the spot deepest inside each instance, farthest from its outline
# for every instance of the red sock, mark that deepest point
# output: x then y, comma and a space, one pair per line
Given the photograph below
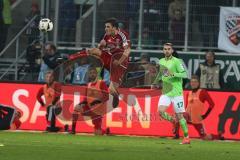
97, 122
78, 54
48, 123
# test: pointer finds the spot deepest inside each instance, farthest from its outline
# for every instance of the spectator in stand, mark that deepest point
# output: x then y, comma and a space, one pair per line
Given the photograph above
49, 61
5, 21
32, 31
176, 5
210, 73
180, 7
209, 21
80, 75
132, 7
152, 17
147, 38
150, 69
177, 28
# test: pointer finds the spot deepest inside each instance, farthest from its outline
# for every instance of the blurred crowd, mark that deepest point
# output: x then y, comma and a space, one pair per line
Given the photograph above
162, 22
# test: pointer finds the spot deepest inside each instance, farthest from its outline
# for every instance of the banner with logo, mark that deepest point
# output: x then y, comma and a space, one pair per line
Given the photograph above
229, 29
136, 114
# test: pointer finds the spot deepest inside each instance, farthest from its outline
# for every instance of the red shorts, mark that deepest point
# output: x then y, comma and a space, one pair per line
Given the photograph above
116, 72
106, 57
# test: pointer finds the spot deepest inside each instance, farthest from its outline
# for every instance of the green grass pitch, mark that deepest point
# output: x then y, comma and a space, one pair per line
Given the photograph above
49, 146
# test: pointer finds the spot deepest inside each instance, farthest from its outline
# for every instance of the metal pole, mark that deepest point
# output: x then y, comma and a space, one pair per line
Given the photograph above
234, 3
79, 38
80, 31
55, 32
16, 65
94, 22
42, 36
42, 7
186, 26
140, 24
47, 8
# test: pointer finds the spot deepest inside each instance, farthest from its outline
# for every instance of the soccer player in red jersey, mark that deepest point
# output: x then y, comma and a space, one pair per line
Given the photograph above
195, 108
94, 104
52, 92
113, 50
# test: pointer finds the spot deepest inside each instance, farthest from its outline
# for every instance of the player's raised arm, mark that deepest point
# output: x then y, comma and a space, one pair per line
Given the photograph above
102, 43
207, 98
39, 96
126, 46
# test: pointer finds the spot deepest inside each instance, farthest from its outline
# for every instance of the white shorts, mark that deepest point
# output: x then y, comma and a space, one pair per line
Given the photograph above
178, 103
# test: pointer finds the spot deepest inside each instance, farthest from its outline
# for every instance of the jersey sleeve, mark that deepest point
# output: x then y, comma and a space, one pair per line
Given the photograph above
125, 39
39, 96
186, 99
181, 71
204, 96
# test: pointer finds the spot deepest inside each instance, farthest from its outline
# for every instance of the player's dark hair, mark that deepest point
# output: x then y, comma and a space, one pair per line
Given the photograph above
49, 72
53, 47
112, 21
195, 77
168, 44
92, 68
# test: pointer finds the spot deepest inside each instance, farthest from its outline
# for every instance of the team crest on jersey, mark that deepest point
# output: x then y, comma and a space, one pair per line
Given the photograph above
233, 28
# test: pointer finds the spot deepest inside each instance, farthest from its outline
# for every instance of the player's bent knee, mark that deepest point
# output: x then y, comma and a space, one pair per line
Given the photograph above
162, 109
95, 52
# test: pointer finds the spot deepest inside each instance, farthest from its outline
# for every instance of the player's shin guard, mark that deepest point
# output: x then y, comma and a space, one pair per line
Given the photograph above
183, 124
166, 116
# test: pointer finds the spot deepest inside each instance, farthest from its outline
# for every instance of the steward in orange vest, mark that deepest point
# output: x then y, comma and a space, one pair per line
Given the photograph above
51, 92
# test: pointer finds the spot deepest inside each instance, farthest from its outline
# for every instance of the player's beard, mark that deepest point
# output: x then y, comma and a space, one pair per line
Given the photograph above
195, 89
91, 79
50, 83
168, 55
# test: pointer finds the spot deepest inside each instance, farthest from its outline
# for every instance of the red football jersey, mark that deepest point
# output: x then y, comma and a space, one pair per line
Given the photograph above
115, 44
